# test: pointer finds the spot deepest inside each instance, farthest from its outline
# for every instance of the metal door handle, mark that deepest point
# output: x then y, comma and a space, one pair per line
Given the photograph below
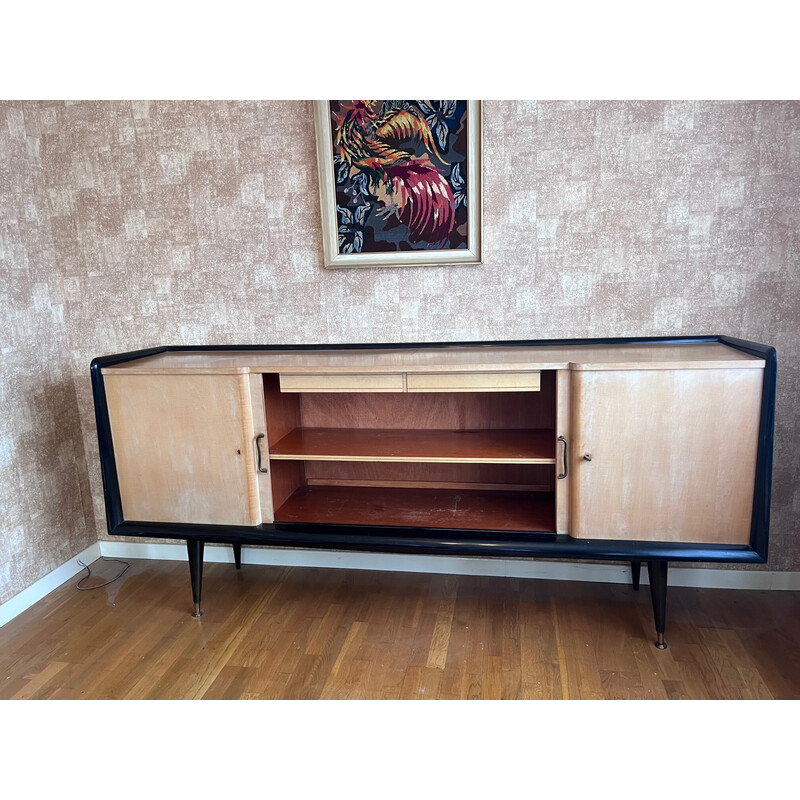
258, 450
564, 473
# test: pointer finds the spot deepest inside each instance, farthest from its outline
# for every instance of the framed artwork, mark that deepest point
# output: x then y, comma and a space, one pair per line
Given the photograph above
400, 182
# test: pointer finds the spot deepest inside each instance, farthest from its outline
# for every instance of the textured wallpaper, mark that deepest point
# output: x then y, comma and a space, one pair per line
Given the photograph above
45, 500
198, 223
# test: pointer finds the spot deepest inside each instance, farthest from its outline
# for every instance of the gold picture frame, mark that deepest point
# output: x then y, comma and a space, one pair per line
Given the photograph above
391, 182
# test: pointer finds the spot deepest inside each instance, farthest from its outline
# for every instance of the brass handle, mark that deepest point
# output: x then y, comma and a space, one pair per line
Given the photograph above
564, 473
258, 450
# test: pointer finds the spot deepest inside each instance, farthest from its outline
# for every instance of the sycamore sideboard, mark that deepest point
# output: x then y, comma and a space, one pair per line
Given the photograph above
632, 450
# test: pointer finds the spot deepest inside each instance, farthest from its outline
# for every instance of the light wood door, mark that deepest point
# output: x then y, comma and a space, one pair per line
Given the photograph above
672, 454
563, 434
184, 446
260, 466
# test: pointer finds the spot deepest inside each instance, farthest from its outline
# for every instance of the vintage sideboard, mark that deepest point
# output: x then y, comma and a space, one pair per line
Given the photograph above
631, 450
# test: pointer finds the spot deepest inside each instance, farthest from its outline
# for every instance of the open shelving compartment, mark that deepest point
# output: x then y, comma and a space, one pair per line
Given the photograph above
482, 461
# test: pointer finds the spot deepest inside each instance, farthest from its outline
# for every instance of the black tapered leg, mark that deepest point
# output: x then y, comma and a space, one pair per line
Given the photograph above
657, 572
237, 554
195, 548
636, 572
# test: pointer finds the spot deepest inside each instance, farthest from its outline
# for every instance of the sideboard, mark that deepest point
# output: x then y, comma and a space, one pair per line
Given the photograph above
636, 450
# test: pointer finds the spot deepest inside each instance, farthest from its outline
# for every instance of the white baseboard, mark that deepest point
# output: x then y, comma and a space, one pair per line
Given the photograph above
27, 597
700, 577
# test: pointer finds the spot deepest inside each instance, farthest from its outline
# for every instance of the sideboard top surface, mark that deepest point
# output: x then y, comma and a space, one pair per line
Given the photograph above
457, 358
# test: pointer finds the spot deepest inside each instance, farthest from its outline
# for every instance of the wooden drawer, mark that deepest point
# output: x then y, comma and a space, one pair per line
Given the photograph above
473, 382
364, 382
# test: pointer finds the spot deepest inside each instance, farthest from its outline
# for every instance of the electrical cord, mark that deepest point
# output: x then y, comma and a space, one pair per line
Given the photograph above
101, 585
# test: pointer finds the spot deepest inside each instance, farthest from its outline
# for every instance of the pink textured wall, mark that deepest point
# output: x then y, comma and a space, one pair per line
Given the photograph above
45, 500
198, 223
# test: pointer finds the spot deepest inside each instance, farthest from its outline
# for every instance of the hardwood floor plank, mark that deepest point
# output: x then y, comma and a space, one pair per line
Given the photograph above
344, 658
754, 686
437, 654
649, 665
777, 654
620, 685
455, 681
675, 690
492, 683
229, 684
420, 683
542, 673
38, 682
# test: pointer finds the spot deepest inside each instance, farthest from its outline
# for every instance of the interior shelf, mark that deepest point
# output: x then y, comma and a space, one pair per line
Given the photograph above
527, 446
425, 508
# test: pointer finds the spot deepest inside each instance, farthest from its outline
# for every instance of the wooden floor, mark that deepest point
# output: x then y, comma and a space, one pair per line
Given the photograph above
275, 632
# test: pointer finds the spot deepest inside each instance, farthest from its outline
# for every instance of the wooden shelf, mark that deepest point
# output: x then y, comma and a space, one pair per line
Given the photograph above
430, 446
425, 508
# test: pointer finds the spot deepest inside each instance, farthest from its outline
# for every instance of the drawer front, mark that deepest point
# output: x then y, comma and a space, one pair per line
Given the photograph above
473, 382
366, 382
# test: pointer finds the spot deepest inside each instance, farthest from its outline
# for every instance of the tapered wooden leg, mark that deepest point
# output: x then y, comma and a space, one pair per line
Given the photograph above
195, 548
657, 572
237, 554
636, 572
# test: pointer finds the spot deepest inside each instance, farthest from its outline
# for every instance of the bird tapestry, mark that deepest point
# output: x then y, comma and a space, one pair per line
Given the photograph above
399, 181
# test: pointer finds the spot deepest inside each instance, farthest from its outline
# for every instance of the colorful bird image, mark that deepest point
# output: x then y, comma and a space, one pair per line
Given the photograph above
400, 174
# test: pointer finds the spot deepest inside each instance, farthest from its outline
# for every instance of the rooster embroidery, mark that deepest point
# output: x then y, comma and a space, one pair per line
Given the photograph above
368, 143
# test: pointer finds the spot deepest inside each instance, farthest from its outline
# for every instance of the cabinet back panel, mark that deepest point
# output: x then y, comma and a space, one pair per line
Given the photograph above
372, 473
